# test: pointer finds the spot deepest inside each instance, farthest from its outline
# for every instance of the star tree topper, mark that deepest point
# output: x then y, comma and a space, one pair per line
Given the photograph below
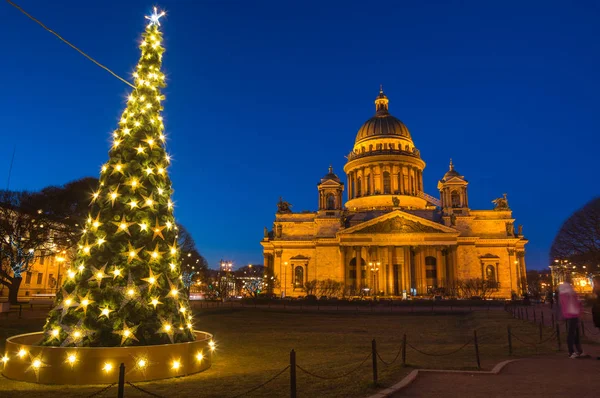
154, 18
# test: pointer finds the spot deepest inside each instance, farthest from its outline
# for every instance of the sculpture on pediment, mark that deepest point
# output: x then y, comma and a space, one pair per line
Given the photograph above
283, 207
520, 230
398, 225
501, 203
266, 233
395, 201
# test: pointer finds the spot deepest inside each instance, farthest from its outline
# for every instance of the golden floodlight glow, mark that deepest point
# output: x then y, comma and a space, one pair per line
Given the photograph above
199, 356
21, 353
176, 365
107, 367
5, 359
141, 363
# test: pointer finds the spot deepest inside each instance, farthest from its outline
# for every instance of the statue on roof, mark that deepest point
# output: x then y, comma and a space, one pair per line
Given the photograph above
283, 207
501, 203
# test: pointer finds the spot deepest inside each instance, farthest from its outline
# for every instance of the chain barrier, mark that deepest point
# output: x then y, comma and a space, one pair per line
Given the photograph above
393, 360
335, 377
263, 384
437, 354
140, 389
534, 344
101, 391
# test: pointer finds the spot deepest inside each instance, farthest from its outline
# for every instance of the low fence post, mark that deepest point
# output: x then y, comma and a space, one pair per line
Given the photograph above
553, 323
527, 313
582, 328
509, 340
542, 315
476, 349
534, 316
20, 310
121, 388
558, 336
404, 350
374, 355
541, 332
292, 374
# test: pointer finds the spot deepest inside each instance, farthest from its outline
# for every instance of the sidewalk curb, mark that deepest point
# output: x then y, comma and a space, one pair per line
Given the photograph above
408, 379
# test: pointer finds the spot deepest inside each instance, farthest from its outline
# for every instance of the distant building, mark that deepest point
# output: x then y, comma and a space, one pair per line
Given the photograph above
44, 277
390, 237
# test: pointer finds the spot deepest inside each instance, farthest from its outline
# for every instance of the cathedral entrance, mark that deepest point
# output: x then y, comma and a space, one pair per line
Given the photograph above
396, 282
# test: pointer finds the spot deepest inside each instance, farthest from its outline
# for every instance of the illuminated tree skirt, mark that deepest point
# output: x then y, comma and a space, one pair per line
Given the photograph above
23, 360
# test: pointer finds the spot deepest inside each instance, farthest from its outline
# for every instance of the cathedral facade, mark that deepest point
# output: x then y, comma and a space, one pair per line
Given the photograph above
389, 237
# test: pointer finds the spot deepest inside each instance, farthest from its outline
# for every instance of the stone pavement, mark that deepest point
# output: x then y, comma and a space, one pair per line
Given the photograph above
550, 376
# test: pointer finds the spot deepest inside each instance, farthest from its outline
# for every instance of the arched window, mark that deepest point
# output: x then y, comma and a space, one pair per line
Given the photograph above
358, 187
407, 149
490, 273
299, 276
330, 201
368, 187
455, 199
386, 183
431, 268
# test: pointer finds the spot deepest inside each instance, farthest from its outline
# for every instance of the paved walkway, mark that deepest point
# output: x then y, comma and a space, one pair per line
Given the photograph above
554, 376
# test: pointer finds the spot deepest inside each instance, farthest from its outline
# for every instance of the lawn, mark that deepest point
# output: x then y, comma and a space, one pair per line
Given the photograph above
254, 345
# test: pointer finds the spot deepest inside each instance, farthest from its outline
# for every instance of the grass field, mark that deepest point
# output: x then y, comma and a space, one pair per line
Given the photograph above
254, 344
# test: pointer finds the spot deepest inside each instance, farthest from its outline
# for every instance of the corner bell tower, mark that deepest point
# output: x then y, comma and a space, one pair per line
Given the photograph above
453, 193
330, 192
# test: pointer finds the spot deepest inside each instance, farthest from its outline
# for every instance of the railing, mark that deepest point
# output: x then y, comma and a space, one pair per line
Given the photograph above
376, 152
429, 198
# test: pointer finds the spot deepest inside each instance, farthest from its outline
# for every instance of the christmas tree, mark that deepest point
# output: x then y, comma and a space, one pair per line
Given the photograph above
125, 286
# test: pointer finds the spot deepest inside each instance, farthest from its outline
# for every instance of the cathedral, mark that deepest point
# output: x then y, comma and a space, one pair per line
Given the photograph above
390, 238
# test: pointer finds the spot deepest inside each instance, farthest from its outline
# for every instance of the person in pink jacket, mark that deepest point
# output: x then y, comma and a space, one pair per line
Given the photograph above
570, 309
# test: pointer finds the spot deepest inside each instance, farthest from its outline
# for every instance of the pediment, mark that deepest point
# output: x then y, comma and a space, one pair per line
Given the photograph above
399, 222
330, 183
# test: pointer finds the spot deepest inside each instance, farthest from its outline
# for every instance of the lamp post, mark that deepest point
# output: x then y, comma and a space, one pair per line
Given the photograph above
226, 268
374, 266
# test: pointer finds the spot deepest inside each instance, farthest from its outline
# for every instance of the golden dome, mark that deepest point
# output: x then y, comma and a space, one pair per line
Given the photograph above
382, 125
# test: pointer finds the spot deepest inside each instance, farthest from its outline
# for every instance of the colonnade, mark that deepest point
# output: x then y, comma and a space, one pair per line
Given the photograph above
365, 180
392, 270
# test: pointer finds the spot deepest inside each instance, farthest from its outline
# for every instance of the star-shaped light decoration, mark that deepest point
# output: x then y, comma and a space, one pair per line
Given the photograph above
85, 248
130, 292
105, 312
75, 334
133, 183
123, 225
53, 333
67, 302
154, 18
118, 168
113, 195
152, 278
96, 222
132, 253
84, 302
155, 254
154, 302
127, 333
98, 274
95, 196
148, 202
173, 291
36, 364
173, 249
158, 230
166, 328
116, 272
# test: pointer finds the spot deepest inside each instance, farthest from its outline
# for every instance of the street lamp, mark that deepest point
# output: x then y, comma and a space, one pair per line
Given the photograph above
226, 267
374, 269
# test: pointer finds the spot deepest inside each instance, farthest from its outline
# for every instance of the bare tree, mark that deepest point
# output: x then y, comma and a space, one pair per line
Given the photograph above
310, 287
475, 287
578, 239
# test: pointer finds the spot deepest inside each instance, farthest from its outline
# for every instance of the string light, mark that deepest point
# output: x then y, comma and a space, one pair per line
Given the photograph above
21, 353
176, 365
107, 367
72, 358
141, 363
36, 364
5, 359
199, 356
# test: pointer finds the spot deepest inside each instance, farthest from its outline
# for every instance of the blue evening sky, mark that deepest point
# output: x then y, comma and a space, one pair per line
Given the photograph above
263, 95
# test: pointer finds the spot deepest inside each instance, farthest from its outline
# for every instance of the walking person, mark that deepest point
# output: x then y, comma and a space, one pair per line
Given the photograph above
570, 309
596, 304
